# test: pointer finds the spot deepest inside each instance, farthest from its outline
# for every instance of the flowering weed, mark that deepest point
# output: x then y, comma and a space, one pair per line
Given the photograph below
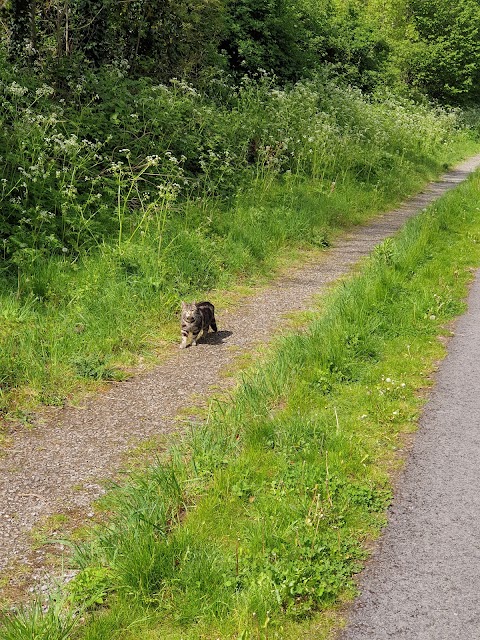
137, 194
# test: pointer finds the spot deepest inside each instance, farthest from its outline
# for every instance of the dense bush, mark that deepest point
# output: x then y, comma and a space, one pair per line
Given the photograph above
159, 38
444, 55
278, 36
431, 46
121, 152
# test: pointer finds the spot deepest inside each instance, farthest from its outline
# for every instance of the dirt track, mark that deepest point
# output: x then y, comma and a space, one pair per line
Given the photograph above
61, 464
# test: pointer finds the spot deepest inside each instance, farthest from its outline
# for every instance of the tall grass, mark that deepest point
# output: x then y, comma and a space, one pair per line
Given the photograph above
257, 522
136, 195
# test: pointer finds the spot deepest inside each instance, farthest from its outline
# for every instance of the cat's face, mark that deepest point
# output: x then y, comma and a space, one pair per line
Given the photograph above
189, 311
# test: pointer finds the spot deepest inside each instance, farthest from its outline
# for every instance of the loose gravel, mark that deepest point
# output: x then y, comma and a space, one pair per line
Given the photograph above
61, 464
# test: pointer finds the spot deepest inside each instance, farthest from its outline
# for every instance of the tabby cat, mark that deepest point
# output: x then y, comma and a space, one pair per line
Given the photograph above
197, 318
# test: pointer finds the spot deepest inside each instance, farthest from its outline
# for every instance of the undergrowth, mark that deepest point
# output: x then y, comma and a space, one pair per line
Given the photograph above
257, 522
130, 195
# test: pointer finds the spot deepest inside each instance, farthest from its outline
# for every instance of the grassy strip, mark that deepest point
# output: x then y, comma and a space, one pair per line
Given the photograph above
257, 523
68, 326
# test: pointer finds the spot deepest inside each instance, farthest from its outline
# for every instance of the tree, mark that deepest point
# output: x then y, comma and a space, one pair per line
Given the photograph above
358, 49
273, 35
444, 60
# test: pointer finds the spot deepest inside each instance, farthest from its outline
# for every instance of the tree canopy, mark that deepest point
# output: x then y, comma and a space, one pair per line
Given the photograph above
429, 46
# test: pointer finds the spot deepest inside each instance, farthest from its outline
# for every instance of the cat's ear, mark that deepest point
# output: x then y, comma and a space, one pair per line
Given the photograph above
182, 302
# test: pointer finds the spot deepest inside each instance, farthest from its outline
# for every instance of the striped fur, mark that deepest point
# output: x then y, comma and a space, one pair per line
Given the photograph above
196, 320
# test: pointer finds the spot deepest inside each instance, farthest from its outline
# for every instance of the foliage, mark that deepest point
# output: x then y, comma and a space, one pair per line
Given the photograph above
164, 39
89, 588
277, 36
161, 39
257, 520
128, 154
430, 46
445, 58
359, 50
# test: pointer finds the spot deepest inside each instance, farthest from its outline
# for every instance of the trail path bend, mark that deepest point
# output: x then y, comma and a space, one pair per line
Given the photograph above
60, 464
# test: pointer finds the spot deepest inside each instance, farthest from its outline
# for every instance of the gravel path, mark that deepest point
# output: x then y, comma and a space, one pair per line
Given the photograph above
423, 582
61, 464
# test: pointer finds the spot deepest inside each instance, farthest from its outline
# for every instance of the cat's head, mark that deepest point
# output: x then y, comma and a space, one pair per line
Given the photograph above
189, 311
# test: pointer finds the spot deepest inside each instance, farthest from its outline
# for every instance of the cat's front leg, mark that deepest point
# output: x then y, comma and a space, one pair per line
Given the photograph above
197, 337
186, 339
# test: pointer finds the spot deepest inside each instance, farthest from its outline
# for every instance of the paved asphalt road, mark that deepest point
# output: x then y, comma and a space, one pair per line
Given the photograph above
423, 582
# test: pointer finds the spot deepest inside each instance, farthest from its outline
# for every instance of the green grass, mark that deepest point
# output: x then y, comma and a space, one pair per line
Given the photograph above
112, 214
254, 526
67, 326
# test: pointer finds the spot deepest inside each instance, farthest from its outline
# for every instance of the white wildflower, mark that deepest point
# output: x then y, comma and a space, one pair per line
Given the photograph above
17, 90
44, 90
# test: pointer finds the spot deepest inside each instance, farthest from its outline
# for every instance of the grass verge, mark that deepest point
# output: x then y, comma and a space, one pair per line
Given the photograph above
255, 526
